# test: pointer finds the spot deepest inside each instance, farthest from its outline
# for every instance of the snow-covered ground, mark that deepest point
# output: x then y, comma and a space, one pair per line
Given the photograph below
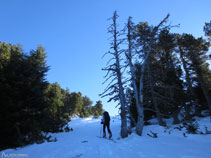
84, 142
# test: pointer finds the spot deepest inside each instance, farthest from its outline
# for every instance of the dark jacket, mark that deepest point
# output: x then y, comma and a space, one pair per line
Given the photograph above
106, 118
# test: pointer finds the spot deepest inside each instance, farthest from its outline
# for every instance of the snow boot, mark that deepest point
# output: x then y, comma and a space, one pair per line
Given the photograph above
110, 135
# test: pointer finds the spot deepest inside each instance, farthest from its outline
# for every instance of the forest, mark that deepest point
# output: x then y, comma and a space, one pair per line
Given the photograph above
155, 73
30, 106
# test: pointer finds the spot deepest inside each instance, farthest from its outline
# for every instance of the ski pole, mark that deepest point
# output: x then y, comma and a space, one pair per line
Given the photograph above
100, 130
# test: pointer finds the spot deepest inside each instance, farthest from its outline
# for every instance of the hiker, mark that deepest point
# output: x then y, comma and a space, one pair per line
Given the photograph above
106, 123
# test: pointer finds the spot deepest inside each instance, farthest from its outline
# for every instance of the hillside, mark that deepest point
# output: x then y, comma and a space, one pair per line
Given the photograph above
83, 142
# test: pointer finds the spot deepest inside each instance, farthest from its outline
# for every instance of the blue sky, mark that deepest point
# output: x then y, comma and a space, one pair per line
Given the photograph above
74, 33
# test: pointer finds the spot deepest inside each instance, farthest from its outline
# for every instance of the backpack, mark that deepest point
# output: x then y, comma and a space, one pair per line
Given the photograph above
106, 117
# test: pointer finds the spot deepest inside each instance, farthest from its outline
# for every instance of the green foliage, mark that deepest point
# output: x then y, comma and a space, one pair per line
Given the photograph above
85, 111
87, 102
22, 95
30, 106
57, 117
97, 110
76, 102
96, 114
165, 81
207, 29
77, 105
167, 74
4, 54
54, 98
195, 52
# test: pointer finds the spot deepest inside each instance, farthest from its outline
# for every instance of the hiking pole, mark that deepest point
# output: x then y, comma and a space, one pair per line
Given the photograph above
100, 130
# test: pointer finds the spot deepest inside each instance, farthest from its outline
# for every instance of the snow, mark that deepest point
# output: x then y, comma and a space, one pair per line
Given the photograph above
83, 142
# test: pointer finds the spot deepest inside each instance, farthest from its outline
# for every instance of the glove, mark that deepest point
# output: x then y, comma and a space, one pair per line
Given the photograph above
102, 121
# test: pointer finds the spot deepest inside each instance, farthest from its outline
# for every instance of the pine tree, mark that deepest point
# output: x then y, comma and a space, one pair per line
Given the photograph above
56, 116
86, 107
99, 107
207, 29
167, 74
75, 103
195, 51
23, 97
146, 38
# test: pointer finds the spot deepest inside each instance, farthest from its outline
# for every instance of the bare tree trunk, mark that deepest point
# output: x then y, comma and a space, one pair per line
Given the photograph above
124, 131
139, 105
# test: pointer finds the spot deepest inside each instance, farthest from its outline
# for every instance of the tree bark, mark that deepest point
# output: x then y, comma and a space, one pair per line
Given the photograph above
139, 105
124, 131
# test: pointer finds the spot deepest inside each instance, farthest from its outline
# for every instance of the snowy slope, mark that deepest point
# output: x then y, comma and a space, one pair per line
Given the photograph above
84, 143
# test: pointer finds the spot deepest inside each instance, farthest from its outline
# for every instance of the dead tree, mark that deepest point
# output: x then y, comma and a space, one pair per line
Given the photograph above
115, 88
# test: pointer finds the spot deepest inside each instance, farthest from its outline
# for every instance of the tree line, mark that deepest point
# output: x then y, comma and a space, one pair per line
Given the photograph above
154, 73
30, 106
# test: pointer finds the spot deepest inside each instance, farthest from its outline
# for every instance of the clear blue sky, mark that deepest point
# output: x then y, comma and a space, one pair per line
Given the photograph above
74, 33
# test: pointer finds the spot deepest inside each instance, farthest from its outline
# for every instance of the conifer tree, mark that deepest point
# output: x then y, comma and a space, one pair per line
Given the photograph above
196, 52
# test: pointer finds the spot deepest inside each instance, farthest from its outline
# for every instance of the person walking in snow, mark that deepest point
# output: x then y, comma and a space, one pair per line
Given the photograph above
106, 123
